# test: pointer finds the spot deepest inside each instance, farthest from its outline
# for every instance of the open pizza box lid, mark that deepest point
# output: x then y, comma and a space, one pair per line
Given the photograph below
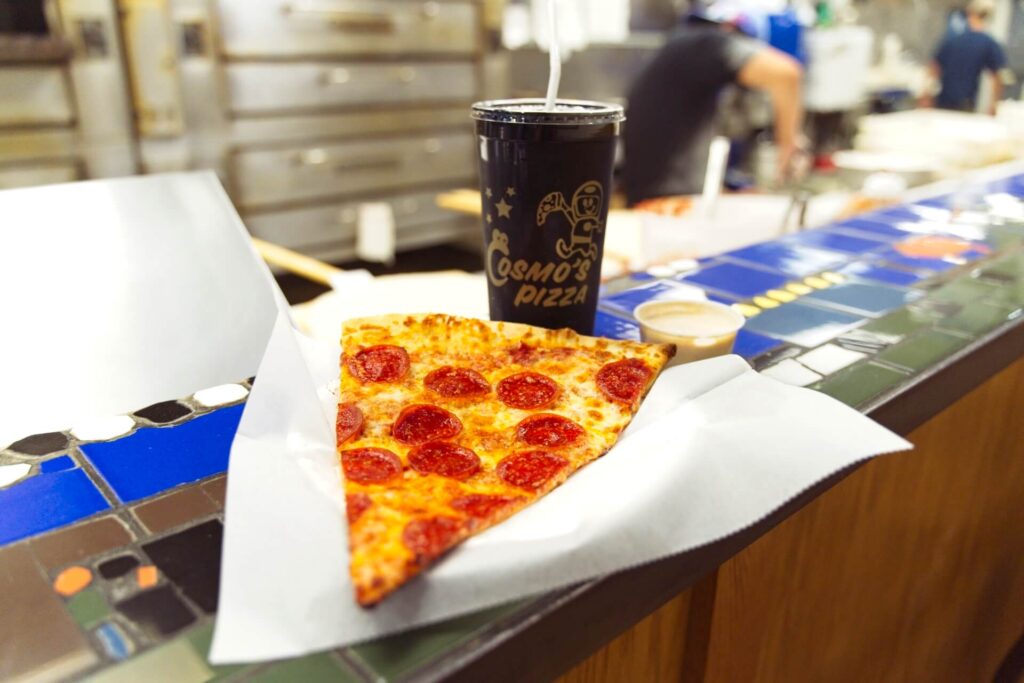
714, 448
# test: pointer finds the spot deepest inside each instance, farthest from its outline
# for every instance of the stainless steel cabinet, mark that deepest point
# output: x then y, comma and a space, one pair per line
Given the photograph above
270, 87
297, 28
34, 95
265, 177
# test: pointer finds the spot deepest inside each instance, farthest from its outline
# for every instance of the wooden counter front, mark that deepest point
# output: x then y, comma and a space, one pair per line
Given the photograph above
908, 570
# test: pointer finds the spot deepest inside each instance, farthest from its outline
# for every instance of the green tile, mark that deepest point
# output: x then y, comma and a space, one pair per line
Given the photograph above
980, 318
963, 290
88, 607
923, 351
860, 383
396, 655
318, 668
199, 639
1010, 267
174, 661
1003, 238
901, 323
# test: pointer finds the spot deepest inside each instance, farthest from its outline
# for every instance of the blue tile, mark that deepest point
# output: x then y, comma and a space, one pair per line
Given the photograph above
45, 502
57, 464
614, 327
157, 458
880, 230
871, 271
731, 278
721, 298
836, 241
629, 299
932, 264
864, 298
806, 326
751, 344
790, 258
113, 642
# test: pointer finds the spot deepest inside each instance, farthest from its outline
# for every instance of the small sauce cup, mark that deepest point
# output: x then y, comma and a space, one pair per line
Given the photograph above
699, 329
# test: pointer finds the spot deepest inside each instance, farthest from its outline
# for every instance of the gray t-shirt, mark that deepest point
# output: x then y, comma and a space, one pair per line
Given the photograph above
670, 119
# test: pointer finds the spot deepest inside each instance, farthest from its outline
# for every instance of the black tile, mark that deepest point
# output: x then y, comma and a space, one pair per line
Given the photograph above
118, 566
167, 411
40, 444
191, 560
158, 612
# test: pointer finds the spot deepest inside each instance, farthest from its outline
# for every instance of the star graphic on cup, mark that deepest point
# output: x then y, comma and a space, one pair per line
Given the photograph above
511, 192
489, 193
504, 208
488, 218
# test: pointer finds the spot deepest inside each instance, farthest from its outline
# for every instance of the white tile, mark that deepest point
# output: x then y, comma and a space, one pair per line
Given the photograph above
791, 372
12, 473
830, 358
105, 428
220, 395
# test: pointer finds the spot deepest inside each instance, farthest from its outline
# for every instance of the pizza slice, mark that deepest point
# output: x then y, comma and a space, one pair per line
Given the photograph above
446, 426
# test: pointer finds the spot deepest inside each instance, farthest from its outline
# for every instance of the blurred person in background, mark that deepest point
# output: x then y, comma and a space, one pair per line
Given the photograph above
962, 57
670, 118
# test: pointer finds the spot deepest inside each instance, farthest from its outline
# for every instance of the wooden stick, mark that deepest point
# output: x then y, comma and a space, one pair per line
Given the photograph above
294, 262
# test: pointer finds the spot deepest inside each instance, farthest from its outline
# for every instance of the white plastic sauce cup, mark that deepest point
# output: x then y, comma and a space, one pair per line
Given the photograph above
699, 329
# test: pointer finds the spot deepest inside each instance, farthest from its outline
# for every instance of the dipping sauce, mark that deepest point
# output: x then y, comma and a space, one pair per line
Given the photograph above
699, 329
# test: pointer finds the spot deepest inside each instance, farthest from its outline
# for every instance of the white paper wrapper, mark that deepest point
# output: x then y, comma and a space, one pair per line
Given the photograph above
714, 448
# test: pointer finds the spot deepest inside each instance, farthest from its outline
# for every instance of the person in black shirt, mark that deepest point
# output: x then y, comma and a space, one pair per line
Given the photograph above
670, 118
962, 57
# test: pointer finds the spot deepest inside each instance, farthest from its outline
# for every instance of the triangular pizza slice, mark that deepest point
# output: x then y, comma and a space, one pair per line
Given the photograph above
446, 426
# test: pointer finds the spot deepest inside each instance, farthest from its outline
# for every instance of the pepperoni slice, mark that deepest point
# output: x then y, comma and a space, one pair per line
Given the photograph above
457, 382
429, 537
482, 506
447, 459
530, 470
384, 363
623, 380
349, 423
549, 431
355, 505
422, 423
527, 390
370, 465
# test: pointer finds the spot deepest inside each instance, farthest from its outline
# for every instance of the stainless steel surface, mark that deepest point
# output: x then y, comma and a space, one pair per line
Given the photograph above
101, 87
121, 293
302, 28
34, 96
37, 144
245, 132
272, 87
45, 173
153, 68
320, 226
266, 177
450, 229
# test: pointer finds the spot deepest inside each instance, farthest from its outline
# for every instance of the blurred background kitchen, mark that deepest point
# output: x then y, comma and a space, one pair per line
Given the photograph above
340, 128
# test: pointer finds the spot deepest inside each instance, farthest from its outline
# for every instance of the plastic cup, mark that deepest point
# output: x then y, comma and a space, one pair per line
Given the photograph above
545, 182
699, 329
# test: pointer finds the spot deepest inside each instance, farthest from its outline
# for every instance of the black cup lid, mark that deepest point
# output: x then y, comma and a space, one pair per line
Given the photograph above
532, 111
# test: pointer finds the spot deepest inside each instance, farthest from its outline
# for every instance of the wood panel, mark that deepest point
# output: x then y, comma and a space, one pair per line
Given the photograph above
909, 570
650, 651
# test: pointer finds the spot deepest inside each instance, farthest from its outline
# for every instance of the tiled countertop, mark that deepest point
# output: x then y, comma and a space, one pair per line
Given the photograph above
110, 533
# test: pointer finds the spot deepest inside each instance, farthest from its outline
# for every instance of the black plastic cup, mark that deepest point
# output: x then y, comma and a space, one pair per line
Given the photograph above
545, 182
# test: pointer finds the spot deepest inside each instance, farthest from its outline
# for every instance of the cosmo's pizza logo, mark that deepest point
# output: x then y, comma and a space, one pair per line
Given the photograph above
554, 283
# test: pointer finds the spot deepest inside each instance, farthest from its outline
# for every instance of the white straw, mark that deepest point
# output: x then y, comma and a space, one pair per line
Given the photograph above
554, 57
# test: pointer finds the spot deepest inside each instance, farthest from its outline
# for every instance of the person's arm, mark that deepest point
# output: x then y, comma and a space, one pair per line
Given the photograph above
996, 63
931, 86
779, 75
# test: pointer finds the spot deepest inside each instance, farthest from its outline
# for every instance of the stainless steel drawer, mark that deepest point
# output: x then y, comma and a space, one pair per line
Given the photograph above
34, 96
37, 174
299, 228
274, 176
268, 87
293, 28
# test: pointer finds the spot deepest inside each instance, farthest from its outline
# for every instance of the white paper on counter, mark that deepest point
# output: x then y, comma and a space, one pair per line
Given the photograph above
714, 448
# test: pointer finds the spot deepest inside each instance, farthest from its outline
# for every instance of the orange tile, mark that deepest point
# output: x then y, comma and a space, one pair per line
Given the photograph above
72, 580
146, 576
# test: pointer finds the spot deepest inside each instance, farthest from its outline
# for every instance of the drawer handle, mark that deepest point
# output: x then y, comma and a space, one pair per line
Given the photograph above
319, 158
341, 19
